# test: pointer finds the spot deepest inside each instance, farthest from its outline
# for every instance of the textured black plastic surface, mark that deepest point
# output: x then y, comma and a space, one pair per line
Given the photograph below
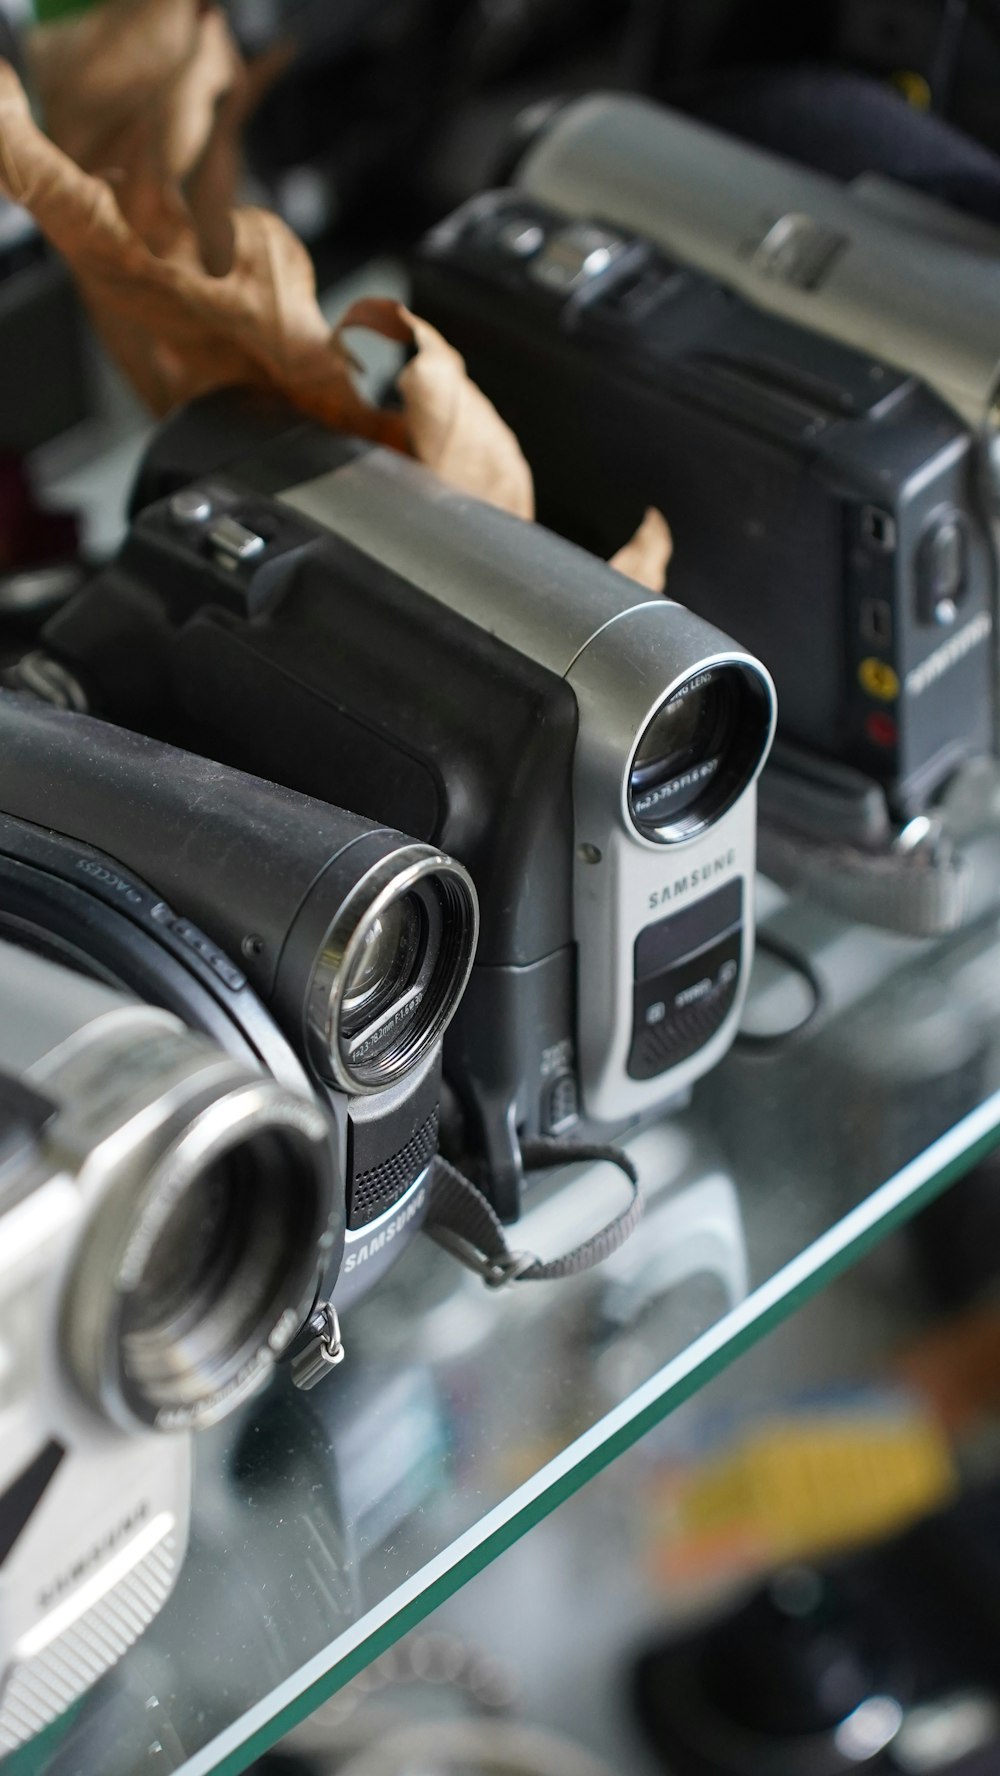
375, 1190
242, 858
80, 907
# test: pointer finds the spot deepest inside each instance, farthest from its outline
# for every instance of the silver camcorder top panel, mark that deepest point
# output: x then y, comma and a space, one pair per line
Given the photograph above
517, 581
870, 264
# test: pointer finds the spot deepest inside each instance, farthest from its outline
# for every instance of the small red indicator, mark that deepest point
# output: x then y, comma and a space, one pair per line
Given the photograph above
881, 728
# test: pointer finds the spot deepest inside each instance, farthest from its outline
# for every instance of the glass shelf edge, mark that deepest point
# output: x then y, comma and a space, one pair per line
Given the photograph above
889, 1206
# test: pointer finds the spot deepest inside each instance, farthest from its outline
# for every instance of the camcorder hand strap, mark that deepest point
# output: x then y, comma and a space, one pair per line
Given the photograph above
462, 1220
930, 891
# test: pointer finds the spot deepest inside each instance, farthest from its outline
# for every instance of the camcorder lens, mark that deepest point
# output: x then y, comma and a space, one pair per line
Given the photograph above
382, 1027
191, 1254
392, 970
237, 1251
686, 729
391, 944
699, 753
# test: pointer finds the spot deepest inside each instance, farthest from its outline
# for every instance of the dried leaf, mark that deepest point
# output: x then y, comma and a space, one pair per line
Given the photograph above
178, 332
646, 556
145, 102
175, 330
133, 84
450, 424
211, 186
153, 96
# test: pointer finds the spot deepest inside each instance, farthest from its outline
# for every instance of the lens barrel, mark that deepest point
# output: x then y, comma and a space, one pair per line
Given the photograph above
358, 938
200, 1265
210, 1199
392, 969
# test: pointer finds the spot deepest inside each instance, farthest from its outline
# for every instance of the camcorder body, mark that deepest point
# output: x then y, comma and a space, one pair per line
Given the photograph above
334, 617
871, 263
323, 948
165, 1213
828, 509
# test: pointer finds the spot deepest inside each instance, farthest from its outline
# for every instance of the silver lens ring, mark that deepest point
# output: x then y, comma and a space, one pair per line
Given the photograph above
175, 1340
428, 992
700, 749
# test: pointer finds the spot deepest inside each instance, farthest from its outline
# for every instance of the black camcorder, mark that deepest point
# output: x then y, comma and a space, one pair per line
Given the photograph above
827, 508
318, 946
334, 618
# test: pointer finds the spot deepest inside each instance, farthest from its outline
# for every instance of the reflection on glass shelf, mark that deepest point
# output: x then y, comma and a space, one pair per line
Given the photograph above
326, 1524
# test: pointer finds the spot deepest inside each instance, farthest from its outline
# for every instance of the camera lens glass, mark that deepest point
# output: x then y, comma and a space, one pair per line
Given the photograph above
191, 1254
392, 970
383, 1007
236, 1249
699, 752
390, 947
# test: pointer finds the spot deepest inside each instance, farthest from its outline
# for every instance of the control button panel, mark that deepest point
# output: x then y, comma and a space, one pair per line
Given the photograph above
678, 1012
224, 545
217, 961
576, 254
561, 1105
941, 569
233, 543
191, 506
521, 236
688, 968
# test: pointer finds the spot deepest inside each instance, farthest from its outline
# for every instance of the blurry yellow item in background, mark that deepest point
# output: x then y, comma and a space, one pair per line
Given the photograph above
797, 1484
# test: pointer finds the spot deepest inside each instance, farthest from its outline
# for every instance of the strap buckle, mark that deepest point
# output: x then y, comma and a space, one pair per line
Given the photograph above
496, 1272
325, 1350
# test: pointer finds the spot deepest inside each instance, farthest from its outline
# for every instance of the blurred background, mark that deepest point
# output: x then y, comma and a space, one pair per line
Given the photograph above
766, 1582
390, 112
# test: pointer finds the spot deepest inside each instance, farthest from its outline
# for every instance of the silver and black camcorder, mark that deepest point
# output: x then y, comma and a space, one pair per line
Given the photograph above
334, 617
166, 1213
812, 421
321, 947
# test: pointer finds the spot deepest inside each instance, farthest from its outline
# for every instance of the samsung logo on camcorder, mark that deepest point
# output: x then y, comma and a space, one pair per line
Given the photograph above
386, 1236
949, 654
110, 880
695, 878
94, 1556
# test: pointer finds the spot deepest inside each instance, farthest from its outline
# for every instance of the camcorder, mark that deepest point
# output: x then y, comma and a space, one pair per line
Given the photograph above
328, 950
166, 1213
873, 263
828, 507
333, 617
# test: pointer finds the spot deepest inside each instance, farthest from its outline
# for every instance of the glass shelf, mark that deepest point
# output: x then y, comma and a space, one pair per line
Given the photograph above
326, 1525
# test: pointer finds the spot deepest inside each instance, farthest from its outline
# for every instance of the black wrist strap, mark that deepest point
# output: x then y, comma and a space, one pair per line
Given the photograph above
462, 1221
